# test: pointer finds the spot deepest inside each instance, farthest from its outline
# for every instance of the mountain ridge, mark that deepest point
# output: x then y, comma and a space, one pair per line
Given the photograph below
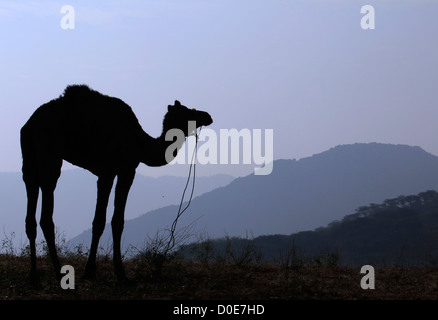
298, 195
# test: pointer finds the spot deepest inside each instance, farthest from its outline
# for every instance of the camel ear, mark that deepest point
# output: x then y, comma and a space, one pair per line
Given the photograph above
169, 107
177, 103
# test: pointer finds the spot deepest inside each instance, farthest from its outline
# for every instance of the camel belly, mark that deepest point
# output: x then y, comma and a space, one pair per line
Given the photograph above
99, 159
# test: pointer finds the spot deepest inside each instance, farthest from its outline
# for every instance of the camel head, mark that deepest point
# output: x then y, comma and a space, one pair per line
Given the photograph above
179, 116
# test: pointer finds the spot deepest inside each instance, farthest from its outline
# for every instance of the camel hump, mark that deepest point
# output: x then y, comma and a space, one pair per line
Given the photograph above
77, 90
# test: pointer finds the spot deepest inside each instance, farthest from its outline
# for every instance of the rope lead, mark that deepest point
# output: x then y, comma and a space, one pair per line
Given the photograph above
171, 242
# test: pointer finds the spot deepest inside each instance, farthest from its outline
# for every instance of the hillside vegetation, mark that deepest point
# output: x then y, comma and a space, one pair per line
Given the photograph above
401, 231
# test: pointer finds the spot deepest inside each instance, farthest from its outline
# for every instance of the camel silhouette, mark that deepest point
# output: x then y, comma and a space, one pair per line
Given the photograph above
101, 134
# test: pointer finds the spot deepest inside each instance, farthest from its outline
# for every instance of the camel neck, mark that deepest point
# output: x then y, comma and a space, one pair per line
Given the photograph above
156, 152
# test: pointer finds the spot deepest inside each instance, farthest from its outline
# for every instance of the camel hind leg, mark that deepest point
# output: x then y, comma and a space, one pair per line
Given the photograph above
32, 190
34, 179
48, 178
30, 178
41, 169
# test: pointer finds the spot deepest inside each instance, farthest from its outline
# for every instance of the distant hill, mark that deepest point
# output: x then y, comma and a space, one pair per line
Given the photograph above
298, 195
402, 231
75, 199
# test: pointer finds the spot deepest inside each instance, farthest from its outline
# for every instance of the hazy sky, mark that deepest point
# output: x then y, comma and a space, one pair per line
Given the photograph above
303, 68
